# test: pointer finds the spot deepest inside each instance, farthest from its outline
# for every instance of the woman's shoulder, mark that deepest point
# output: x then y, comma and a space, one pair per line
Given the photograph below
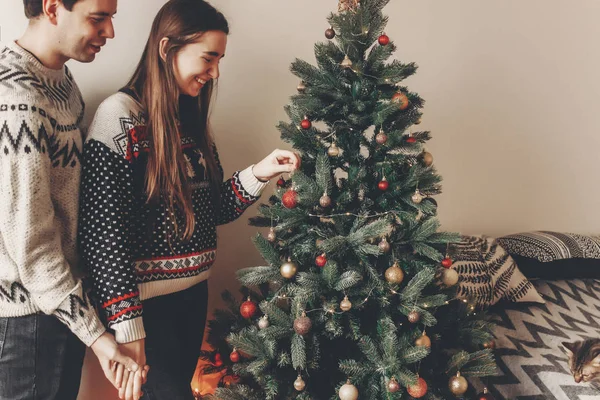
122, 104
115, 117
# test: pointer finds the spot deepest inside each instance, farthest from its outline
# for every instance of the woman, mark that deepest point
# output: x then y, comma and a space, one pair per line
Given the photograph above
153, 194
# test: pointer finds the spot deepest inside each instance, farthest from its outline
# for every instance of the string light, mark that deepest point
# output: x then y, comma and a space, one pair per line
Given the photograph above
348, 214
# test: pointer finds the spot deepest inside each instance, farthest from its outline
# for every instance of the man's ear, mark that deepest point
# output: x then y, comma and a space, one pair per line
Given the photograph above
162, 46
50, 9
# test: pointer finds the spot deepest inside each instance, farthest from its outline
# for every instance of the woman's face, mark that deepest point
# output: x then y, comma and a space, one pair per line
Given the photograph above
197, 63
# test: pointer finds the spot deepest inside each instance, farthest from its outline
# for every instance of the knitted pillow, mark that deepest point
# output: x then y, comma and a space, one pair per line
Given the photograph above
549, 246
488, 273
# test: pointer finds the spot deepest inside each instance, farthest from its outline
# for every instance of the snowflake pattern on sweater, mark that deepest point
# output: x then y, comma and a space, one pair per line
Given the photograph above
123, 239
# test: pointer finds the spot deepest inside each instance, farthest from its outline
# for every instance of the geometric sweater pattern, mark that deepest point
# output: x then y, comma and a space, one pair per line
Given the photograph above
41, 113
123, 239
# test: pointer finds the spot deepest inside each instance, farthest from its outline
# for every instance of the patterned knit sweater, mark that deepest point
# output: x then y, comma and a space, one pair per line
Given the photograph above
123, 239
40, 167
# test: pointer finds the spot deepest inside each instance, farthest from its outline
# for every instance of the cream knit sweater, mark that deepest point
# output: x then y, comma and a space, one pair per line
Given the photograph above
41, 112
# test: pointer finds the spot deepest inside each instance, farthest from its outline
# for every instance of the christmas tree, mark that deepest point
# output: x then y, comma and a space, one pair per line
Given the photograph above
358, 297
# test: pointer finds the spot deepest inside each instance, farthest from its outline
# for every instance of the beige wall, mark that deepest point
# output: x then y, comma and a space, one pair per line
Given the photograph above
512, 92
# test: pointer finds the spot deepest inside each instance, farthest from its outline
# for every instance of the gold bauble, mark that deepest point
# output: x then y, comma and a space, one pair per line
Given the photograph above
393, 386
458, 385
263, 322
420, 215
418, 121
427, 159
423, 340
325, 201
299, 384
394, 274
384, 245
288, 269
333, 150
346, 63
345, 305
414, 317
417, 198
348, 5
301, 87
449, 277
302, 325
271, 237
348, 392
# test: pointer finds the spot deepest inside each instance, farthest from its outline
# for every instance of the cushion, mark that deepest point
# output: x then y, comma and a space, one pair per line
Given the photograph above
570, 268
488, 274
548, 246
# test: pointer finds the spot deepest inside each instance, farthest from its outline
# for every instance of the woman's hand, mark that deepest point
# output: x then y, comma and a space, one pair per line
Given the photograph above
118, 365
277, 162
131, 386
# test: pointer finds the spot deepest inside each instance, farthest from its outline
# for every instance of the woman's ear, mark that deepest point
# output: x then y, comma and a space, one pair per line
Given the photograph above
162, 48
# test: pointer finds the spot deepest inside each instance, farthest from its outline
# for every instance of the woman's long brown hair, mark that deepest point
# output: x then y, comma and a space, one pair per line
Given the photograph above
182, 22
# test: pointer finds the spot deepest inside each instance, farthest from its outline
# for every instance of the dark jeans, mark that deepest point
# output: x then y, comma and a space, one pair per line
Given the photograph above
174, 327
40, 359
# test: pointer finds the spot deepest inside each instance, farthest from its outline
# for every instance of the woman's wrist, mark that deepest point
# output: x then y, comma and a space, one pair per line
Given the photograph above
260, 178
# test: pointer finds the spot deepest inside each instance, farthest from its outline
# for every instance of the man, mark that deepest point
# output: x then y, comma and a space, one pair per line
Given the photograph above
46, 318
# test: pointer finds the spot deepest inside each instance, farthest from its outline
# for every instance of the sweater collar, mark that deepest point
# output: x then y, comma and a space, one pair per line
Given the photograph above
35, 66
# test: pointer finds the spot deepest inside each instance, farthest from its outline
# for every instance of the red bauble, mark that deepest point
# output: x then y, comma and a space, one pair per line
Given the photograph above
321, 260
383, 185
218, 361
281, 182
290, 199
417, 390
305, 124
401, 99
447, 262
248, 309
411, 139
234, 356
381, 138
383, 39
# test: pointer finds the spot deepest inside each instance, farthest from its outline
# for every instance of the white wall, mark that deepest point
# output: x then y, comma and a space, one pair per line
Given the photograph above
511, 87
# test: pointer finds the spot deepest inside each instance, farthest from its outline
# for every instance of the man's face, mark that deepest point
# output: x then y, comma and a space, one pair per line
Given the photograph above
85, 29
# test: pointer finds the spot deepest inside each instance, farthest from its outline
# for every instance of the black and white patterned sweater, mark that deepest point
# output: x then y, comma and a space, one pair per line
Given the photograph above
41, 112
123, 240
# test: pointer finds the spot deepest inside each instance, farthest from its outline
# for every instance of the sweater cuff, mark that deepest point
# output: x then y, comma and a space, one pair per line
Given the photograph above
78, 313
129, 331
251, 184
90, 333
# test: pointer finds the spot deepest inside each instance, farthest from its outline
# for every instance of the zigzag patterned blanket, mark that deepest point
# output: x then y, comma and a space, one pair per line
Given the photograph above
531, 359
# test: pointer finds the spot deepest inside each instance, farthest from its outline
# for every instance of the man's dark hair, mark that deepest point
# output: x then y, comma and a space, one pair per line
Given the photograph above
33, 8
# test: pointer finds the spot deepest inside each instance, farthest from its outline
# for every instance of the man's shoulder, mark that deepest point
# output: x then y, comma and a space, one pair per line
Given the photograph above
18, 83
